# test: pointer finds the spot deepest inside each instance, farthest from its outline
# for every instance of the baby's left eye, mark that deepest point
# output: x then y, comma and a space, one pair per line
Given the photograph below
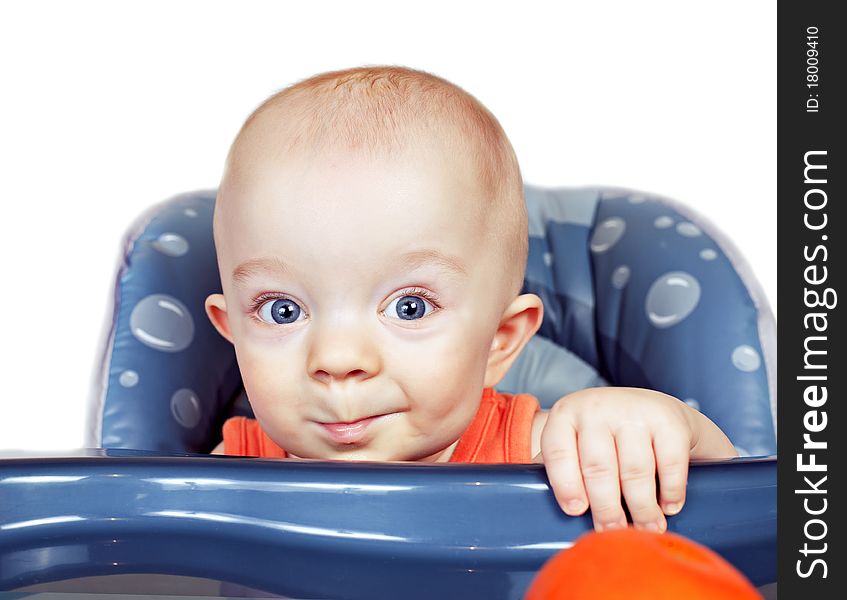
409, 308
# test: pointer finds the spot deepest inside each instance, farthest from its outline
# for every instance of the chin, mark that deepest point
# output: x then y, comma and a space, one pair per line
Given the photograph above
352, 453
362, 455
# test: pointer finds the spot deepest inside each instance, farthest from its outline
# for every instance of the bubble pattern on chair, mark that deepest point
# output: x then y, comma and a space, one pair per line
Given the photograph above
638, 291
167, 377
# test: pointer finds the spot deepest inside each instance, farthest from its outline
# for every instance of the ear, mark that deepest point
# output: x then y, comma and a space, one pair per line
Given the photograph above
216, 310
520, 321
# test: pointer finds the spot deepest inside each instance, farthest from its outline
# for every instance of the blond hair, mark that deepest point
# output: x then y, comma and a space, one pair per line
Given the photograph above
372, 109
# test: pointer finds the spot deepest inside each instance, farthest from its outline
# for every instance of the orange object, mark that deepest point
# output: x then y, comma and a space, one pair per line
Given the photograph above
633, 564
499, 433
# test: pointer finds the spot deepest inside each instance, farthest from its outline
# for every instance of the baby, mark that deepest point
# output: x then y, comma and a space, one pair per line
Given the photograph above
371, 234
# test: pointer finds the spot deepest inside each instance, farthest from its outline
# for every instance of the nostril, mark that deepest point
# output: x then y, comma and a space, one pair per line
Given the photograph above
326, 377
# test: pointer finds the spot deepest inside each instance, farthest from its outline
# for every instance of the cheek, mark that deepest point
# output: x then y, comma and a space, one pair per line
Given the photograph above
446, 370
265, 370
468, 349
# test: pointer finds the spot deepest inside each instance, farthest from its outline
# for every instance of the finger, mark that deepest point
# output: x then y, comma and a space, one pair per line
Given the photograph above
599, 464
637, 466
671, 451
561, 459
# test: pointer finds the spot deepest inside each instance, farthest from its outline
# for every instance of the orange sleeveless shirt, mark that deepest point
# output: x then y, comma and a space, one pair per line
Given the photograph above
501, 432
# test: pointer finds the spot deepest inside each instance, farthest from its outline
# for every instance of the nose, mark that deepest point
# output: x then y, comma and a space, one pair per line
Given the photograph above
341, 353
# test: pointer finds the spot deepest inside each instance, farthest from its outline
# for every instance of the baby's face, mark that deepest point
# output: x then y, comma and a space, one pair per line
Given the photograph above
362, 300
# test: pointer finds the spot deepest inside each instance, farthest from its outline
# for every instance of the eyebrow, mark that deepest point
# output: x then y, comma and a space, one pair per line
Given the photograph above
410, 260
257, 266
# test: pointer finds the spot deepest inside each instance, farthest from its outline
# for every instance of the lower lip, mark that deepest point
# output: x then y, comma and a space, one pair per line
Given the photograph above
349, 433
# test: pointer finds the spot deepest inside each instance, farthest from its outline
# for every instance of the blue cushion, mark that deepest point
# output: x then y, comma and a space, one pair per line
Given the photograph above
638, 291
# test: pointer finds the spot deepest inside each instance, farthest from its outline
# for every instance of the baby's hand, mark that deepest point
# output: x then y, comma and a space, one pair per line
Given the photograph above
601, 443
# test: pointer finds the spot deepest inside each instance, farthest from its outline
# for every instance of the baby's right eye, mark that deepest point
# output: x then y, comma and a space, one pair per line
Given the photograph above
280, 311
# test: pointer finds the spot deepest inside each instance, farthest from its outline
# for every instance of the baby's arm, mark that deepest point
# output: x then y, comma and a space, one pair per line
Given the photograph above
219, 449
602, 444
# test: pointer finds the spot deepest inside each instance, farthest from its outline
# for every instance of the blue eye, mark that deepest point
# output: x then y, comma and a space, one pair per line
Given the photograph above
408, 308
281, 311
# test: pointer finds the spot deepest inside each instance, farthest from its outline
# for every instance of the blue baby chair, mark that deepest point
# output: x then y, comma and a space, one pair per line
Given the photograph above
638, 291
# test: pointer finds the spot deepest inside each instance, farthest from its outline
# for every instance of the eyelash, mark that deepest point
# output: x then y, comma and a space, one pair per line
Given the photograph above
259, 300
425, 294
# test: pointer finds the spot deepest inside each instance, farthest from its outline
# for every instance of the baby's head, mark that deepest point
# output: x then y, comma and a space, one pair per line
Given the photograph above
371, 236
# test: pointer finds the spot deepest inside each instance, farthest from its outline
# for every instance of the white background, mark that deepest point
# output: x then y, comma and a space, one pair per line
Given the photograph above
108, 107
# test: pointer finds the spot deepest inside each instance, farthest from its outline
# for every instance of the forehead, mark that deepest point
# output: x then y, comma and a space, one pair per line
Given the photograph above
345, 209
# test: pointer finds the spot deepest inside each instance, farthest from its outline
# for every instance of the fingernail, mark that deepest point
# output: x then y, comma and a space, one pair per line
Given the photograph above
614, 525
575, 506
671, 508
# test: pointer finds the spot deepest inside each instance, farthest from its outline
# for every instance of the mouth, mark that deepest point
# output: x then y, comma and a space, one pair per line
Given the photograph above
350, 433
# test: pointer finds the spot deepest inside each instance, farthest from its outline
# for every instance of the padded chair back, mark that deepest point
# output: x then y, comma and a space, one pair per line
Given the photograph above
638, 291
